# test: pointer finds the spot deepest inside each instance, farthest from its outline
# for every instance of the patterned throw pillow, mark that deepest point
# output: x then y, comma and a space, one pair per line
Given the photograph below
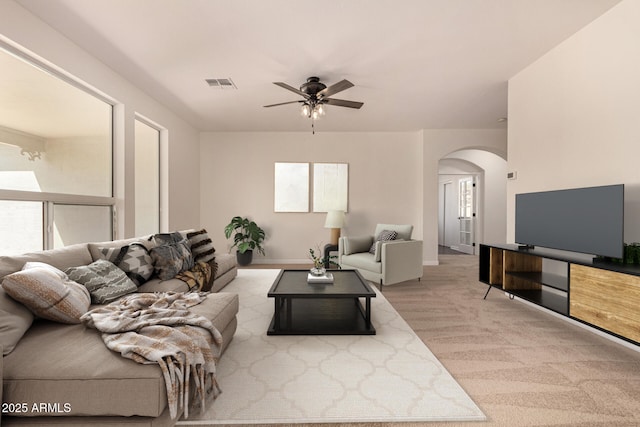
104, 280
170, 259
134, 259
201, 245
385, 235
165, 238
48, 293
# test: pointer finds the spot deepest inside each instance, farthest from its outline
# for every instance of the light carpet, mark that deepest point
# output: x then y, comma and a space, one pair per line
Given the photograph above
388, 377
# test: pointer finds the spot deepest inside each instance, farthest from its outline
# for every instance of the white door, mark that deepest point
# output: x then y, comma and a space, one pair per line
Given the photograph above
466, 215
450, 226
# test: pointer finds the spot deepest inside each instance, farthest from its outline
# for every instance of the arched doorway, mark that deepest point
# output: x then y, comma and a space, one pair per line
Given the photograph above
472, 200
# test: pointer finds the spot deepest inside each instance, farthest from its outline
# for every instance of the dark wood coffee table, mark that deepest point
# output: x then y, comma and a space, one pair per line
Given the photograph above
321, 309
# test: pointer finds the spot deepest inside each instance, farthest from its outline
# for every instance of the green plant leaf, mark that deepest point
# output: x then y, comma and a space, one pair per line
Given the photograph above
248, 235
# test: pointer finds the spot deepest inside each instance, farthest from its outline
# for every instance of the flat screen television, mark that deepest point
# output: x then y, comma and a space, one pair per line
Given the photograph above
585, 220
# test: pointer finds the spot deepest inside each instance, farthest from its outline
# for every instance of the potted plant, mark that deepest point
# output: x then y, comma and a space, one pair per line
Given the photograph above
248, 237
320, 262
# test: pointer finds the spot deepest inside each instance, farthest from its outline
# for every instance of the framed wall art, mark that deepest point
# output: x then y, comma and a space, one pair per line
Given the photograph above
330, 187
291, 191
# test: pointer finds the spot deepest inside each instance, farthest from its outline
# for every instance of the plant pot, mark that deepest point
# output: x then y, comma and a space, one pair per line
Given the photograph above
244, 258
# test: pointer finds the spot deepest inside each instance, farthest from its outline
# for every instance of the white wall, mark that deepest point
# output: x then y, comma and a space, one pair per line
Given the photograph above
237, 179
574, 115
393, 178
20, 27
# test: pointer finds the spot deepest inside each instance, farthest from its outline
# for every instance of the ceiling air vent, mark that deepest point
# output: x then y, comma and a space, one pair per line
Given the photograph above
221, 83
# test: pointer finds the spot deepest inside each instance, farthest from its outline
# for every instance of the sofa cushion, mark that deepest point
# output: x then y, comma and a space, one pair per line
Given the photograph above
48, 293
15, 320
227, 270
225, 263
363, 260
404, 231
158, 285
93, 381
81, 371
220, 308
103, 279
133, 258
62, 258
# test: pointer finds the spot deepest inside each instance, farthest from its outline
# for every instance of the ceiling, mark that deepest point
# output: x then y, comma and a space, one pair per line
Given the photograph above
416, 64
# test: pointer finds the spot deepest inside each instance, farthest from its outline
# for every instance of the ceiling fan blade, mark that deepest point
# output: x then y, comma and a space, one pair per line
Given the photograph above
342, 103
282, 103
292, 89
333, 89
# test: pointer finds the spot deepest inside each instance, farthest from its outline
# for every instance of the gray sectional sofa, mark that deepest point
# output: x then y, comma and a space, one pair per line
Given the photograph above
63, 374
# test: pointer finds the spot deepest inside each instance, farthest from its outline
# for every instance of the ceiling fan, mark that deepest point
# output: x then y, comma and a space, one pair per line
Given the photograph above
316, 94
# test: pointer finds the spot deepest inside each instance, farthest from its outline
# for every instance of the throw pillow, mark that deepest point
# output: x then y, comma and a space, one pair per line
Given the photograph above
201, 245
166, 238
385, 235
15, 320
134, 259
36, 264
170, 259
48, 293
104, 280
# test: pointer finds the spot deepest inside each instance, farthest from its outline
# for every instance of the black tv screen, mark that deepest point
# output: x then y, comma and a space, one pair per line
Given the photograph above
586, 220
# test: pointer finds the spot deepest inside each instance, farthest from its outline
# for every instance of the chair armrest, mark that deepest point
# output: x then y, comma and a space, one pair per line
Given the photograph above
401, 260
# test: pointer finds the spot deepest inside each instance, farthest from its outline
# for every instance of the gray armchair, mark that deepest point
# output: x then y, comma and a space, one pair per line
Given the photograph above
383, 261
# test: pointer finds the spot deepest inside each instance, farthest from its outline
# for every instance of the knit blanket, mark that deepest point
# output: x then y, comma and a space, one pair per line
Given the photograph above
200, 277
160, 328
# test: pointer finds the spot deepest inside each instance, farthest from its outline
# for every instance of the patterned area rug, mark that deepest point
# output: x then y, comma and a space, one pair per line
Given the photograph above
388, 377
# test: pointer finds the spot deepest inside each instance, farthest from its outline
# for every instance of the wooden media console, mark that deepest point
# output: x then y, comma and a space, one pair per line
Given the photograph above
605, 295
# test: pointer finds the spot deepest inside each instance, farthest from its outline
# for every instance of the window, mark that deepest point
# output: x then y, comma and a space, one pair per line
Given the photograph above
21, 227
56, 145
147, 178
94, 221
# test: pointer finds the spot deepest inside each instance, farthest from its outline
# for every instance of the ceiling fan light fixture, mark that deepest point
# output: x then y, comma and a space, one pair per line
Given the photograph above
316, 94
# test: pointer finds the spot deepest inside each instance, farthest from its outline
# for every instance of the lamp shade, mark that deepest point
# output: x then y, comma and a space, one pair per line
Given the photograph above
335, 219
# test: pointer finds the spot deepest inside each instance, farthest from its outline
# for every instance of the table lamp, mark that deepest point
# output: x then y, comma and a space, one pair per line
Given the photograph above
334, 221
